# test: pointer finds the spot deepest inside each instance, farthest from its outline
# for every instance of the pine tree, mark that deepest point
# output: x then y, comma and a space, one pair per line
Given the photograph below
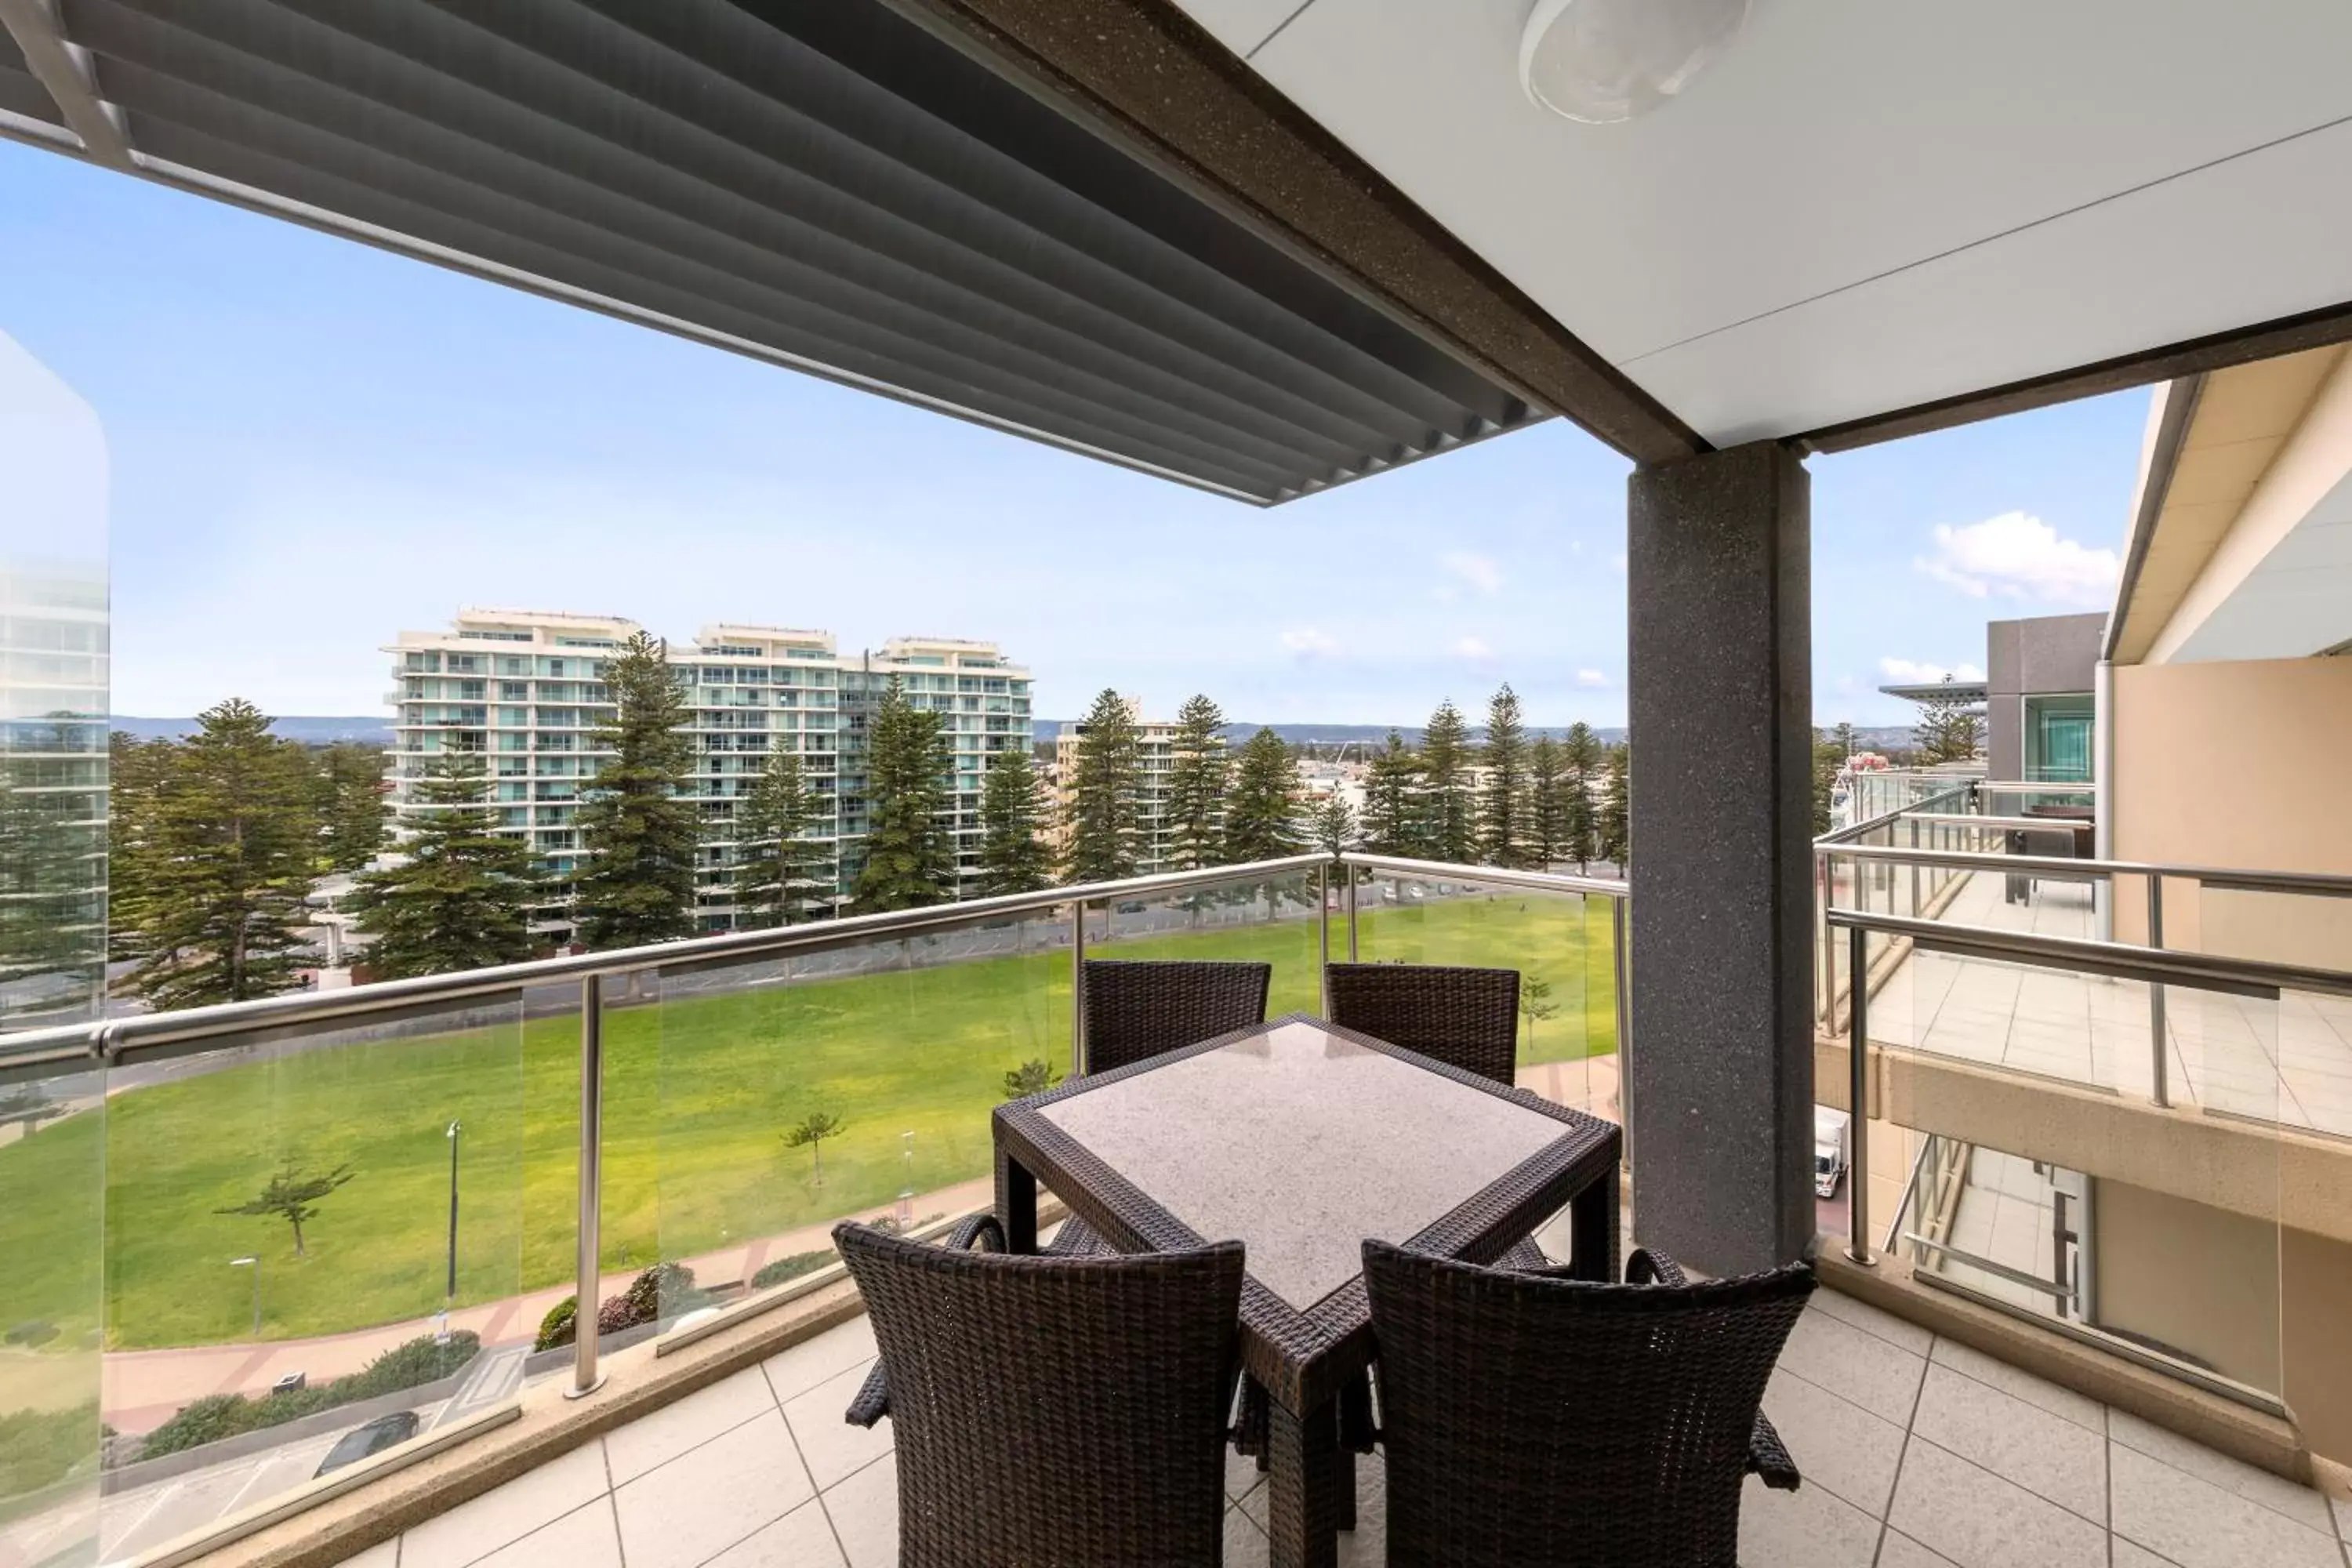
462, 898
1104, 836
1547, 803
1012, 854
1392, 818
1613, 827
1503, 805
1262, 813
1828, 758
1950, 729
1580, 768
1331, 824
228, 861
909, 850
1449, 813
637, 825
136, 771
1198, 772
350, 805
781, 875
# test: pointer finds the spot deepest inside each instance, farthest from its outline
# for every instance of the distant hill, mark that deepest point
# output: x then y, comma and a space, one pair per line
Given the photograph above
312, 730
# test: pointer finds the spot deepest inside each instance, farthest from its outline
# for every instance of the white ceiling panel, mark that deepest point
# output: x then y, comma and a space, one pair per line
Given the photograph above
1835, 143
2249, 240
1242, 25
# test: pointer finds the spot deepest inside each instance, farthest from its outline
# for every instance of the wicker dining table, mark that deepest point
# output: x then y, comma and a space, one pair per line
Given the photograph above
1301, 1139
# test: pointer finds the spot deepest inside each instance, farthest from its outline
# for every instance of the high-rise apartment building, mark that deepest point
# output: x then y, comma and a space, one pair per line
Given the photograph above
525, 689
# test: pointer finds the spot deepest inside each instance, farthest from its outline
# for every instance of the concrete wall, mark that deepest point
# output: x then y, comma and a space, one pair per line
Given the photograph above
2191, 1278
2045, 655
2237, 763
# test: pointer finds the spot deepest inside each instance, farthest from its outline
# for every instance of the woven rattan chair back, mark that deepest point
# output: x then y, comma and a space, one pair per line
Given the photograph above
1136, 1008
1466, 1018
1051, 1410
1532, 1419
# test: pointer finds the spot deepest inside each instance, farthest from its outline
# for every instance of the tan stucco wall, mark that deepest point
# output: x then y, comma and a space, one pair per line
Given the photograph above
2240, 764
2191, 1276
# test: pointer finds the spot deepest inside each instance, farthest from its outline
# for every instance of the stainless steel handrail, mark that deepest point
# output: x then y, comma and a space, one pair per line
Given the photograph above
2302, 884
1868, 824
2002, 824
1910, 1191
2155, 966
2063, 1294
1495, 876
124, 1037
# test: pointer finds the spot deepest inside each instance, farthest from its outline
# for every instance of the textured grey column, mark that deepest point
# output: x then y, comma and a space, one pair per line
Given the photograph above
1718, 555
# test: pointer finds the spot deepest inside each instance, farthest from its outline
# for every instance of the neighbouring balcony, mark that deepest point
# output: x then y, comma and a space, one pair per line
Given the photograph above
191, 1374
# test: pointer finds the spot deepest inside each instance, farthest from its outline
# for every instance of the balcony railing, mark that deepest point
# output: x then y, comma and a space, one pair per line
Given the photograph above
460, 1150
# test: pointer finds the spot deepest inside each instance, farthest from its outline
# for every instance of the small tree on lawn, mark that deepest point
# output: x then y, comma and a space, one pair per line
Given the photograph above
461, 899
1031, 1076
1536, 1004
811, 1133
293, 1194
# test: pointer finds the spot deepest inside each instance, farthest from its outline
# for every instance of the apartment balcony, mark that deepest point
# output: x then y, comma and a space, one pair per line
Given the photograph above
1930, 1412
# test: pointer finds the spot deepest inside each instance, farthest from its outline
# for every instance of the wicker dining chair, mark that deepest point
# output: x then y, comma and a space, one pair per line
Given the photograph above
1136, 1008
1533, 1419
1466, 1018
1050, 1410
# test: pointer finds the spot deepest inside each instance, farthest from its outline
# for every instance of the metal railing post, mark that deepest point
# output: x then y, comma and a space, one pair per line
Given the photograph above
1915, 866
585, 1376
1824, 957
1624, 1030
1323, 937
1857, 1178
2161, 1090
1351, 915
1077, 987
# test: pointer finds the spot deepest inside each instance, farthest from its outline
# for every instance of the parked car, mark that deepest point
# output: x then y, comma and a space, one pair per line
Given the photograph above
360, 1442
1831, 1130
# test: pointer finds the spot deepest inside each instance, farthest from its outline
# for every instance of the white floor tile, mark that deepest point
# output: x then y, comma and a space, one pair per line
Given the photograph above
1245, 1544
1979, 1521
383, 1554
2047, 1455
2129, 1555
1838, 1446
801, 1539
707, 1499
585, 1538
1860, 1367
793, 1373
831, 1445
2199, 1525
1871, 1319
2084, 1411
667, 1433
1899, 1551
864, 1514
2302, 1504
1807, 1528
474, 1529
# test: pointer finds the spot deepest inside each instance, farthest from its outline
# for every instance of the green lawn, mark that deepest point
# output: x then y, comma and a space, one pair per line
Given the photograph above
698, 1089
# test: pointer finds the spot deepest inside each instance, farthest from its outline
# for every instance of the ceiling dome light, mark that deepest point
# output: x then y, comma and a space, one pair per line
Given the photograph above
1601, 61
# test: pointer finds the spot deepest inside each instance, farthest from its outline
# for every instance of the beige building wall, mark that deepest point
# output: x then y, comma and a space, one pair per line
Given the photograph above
2244, 765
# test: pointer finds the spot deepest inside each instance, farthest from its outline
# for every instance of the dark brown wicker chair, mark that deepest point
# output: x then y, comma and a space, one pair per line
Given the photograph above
1534, 1419
1051, 1410
1466, 1018
1136, 1008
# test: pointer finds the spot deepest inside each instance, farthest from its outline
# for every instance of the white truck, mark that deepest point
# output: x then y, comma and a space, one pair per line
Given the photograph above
1831, 1129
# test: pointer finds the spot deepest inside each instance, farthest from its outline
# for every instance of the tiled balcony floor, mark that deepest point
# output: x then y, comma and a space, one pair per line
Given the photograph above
1917, 1453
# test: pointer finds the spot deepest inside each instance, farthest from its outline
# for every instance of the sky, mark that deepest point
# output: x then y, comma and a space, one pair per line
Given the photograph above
314, 444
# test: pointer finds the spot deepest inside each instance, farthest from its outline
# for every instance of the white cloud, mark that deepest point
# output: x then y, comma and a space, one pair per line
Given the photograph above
1918, 672
2018, 556
1479, 571
1308, 641
1591, 677
1473, 648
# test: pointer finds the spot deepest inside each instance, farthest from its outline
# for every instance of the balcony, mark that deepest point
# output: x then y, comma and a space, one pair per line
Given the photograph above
1924, 1406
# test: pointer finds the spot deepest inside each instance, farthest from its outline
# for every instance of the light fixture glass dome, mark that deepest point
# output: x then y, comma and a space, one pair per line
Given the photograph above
1601, 61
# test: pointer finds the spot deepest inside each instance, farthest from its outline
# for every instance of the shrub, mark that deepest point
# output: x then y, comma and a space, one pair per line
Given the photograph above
42, 1448
33, 1335
557, 1328
411, 1365
792, 1267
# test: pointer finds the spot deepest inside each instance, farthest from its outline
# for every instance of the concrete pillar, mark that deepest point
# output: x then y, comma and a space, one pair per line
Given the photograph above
1721, 1063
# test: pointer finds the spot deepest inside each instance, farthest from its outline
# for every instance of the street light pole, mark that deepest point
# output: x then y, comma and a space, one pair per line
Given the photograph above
255, 1264
450, 1297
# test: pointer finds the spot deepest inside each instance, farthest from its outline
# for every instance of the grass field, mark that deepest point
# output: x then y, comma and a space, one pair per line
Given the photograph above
699, 1088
